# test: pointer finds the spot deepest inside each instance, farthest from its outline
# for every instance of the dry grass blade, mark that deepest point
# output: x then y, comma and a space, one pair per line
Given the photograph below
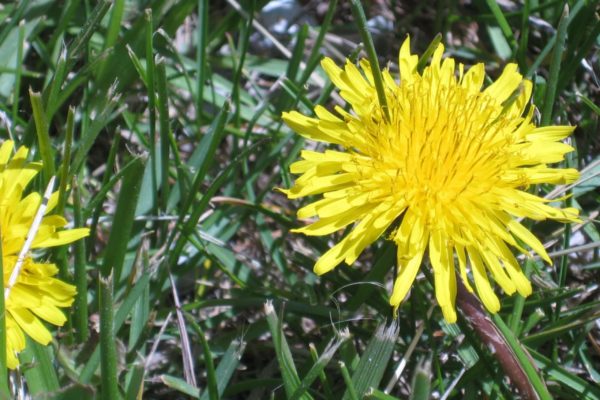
186, 349
35, 225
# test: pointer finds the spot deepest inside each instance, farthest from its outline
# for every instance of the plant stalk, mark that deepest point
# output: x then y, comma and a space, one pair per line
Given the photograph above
492, 337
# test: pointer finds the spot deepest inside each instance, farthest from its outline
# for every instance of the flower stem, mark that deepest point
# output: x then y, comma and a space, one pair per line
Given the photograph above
361, 21
504, 346
108, 350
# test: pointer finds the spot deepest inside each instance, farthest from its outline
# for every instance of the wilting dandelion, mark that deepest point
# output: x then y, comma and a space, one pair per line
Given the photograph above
451, 165
36, 295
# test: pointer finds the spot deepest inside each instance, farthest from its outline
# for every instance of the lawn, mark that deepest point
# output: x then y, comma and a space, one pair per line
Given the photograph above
172, 131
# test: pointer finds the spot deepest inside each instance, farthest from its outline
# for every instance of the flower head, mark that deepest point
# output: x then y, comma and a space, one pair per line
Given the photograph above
36, 294
450, 166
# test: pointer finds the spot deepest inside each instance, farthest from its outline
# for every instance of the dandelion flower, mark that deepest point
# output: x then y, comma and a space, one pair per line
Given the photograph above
37, 295
449, 169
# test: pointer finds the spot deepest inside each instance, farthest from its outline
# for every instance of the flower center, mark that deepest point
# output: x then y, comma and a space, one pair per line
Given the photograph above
444, 145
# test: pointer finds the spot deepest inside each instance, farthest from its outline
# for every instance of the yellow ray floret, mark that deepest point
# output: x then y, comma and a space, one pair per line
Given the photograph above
37, 295
451, 166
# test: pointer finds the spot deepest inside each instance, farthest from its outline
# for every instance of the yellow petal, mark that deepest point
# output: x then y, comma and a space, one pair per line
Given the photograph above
514, 270
370, 229
50, 313
462, 263
307, 127
62, 237
444, 275
550, 133
500, 276
52, 202
5, 152
325, 226
473, 79
411, 239
331, 258
317, 185
407, 62
15, 342
31, 325
482, 283
529, 238
506, 84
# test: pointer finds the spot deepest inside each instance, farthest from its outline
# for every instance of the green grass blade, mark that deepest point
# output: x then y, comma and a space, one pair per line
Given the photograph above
212, 391
315, 53
164, 132
94, 206
590, 104
114, 25
123, 222
103, 114
201, 55
502, 23
121, 315
141, 310
524, 36
294, 63
18, 71
150, 84
108, 349
41, 376
41, 128
422, 63
80, 314
524, 360
361, 21
351, 393
206, 155
87, 30
180, 385
320, 364
289, 374
137, 64
51, 93
66, 161
579, 386
555, 65
379, 395
374, 360
421, 384
227, 366
135, 389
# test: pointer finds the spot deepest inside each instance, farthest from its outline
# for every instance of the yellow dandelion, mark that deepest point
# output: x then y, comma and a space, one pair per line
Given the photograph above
36, 294
450, 166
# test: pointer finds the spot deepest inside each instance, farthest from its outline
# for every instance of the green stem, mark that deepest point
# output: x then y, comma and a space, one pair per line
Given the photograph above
151, 107
81, 308
524, 360
515, 318
505, 346
361, 21
108, 350
349, 385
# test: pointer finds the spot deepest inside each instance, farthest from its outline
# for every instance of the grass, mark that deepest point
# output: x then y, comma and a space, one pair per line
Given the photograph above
162, 121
